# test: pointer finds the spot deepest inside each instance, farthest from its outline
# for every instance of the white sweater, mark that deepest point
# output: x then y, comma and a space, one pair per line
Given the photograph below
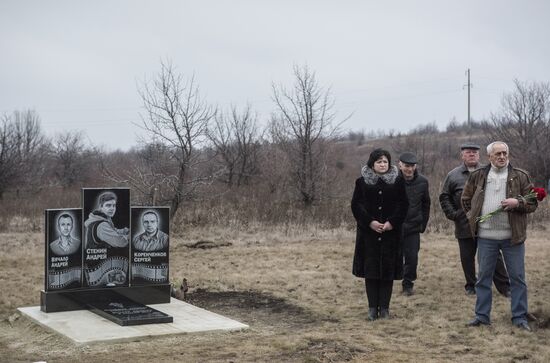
498, 226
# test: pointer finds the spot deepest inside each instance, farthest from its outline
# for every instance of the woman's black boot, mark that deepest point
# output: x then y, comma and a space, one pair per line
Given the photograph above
373, 314
384, 313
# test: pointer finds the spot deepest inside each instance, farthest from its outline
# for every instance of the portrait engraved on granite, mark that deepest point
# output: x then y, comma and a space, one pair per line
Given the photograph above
106, 236
63, 249
150, 245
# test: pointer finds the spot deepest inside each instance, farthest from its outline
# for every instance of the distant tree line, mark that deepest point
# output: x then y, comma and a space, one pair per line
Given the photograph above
225, 166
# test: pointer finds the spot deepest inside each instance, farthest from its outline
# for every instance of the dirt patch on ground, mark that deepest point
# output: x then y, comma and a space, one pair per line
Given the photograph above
256, 309
543, 320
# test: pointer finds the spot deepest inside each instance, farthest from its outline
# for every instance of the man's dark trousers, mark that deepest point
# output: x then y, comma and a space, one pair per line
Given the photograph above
411, 246
468, 248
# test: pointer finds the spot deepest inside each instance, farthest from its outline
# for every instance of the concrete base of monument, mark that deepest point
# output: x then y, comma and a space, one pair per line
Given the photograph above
85, 327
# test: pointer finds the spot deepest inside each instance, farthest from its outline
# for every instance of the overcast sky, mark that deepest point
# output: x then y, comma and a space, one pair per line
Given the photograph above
394, 64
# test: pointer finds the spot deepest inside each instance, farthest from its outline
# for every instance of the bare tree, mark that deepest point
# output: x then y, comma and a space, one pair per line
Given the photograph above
147, 170
523, 122
178, 117
236, 140
8, 155
221, 136
72, 158
23, 151
302, 124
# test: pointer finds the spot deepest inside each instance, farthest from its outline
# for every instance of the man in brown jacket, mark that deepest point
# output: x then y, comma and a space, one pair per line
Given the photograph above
499, 185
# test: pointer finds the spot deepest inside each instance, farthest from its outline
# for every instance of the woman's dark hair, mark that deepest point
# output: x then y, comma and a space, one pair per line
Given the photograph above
377, 154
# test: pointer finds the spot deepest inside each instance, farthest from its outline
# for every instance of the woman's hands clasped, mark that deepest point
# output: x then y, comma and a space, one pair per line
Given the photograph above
380, 227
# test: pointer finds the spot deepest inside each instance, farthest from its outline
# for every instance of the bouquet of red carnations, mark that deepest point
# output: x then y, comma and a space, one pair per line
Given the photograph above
535, 194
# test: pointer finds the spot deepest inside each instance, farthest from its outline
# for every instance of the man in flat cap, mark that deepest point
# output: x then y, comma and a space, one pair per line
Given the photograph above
451, 205
417, 217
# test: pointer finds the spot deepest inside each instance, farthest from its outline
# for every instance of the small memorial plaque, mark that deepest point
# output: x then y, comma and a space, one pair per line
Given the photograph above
150, 245
63, 249
106, 236
124, 311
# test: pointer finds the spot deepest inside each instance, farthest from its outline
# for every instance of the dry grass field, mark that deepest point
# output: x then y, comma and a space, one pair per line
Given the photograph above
296, 292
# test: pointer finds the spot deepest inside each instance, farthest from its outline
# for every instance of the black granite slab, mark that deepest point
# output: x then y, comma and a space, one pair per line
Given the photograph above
55, 301
63, 249
123, 311
105, 235
149, 261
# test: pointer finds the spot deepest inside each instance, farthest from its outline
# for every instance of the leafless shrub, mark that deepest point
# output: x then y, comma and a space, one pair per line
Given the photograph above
23, 152
303, 127
145, 170
236, 139
426, 129
523, 122
73, 159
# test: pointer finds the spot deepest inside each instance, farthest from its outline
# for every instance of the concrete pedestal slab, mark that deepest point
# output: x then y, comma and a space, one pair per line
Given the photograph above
85, 327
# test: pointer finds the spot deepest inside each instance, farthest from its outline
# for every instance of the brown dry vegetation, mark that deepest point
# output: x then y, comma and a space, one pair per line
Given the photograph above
295, 290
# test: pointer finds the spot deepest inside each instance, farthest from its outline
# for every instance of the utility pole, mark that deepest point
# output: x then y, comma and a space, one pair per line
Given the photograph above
469, 85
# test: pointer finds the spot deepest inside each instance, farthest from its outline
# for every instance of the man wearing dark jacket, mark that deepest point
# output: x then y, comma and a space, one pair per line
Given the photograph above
417, 217
451, 205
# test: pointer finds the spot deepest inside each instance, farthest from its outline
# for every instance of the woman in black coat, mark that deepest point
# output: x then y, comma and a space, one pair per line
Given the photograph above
379, 205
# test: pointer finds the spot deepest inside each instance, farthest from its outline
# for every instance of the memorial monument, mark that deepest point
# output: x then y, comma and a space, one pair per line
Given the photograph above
108, 258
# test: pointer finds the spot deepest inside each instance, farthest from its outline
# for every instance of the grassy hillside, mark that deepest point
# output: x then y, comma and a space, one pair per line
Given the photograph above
295, 290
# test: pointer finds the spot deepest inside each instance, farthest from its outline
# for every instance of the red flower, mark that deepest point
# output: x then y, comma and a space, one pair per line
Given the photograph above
535, 194
541, 193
